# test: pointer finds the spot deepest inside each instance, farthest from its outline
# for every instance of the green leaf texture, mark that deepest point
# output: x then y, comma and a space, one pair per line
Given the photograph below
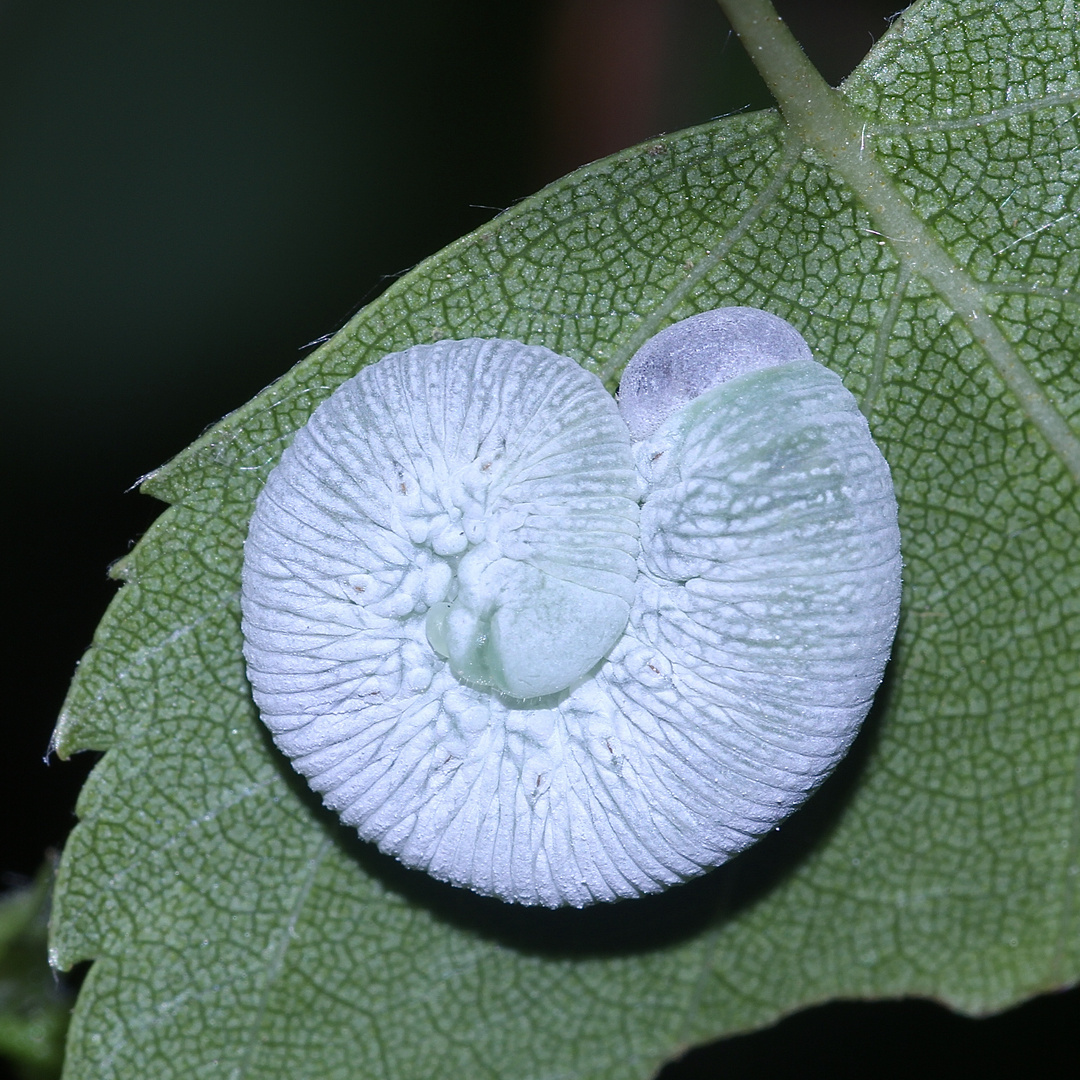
237, 931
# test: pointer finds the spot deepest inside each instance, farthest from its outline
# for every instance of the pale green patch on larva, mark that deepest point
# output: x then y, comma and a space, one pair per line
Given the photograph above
535, 659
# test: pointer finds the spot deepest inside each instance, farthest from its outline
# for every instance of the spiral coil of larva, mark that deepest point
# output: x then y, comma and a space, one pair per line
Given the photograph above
522, 652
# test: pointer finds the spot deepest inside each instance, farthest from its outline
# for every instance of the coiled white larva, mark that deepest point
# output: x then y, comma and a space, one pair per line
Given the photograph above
535, 657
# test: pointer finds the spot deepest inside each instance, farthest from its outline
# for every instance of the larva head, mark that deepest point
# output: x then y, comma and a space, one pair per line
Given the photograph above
689, 357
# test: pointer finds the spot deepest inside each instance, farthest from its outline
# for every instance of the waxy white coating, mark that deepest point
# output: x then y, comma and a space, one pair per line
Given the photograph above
459, 526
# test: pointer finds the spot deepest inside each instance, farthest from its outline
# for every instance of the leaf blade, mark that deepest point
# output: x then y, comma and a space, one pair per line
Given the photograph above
950, 871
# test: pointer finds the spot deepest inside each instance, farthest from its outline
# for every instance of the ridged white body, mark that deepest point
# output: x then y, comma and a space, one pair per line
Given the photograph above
742, 563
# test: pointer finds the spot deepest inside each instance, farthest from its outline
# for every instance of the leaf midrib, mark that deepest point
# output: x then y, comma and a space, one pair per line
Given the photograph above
823, 119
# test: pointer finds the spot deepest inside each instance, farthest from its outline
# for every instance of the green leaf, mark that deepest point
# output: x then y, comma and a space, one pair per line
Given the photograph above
34, 1006
236, 930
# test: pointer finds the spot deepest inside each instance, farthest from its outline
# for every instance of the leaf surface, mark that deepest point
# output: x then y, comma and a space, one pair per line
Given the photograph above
237, 931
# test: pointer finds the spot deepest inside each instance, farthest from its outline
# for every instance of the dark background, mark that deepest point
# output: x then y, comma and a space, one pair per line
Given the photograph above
191, 194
